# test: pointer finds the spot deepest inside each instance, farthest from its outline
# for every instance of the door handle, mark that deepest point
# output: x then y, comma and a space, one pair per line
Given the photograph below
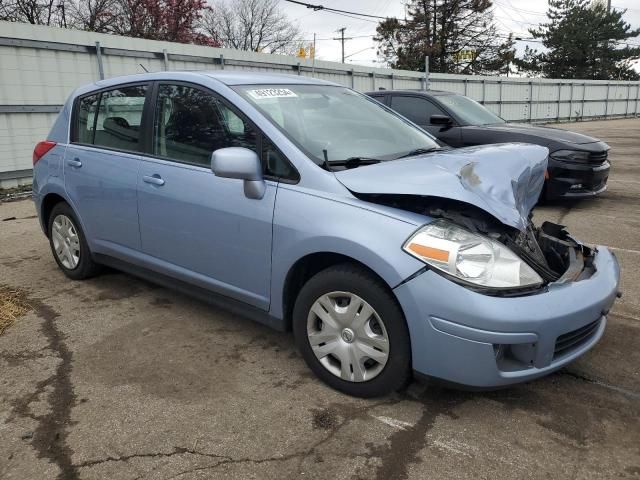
74, 163
153, 180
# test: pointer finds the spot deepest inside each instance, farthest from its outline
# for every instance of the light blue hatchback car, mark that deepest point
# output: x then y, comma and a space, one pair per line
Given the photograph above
308, 206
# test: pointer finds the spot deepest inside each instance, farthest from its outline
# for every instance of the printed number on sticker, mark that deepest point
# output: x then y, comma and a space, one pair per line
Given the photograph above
261, 93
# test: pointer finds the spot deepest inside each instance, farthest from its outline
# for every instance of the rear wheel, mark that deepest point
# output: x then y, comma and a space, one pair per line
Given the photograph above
352, 333
543, 198
68, 244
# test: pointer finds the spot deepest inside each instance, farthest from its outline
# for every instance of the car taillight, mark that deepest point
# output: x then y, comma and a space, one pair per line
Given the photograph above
41, 149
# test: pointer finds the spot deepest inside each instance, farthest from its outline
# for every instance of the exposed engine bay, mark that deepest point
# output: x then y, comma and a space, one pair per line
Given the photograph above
547, 249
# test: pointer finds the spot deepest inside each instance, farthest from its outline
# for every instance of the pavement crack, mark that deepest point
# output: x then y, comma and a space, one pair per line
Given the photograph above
50, 434
222, 460
126, 458
594, 381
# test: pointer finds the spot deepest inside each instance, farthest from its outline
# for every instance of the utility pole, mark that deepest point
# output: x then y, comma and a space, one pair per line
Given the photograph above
426, 72
313, 57
342, 39
608, 5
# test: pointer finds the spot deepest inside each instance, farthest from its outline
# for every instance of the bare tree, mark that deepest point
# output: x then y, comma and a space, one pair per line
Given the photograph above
255, 25
169, 20
36, 12
94, 15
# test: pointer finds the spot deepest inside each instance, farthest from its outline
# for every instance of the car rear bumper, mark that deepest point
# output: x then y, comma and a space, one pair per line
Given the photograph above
484, 341
37, 200
567, 180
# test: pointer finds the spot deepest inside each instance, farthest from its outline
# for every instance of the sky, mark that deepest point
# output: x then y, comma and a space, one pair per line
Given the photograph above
511, 16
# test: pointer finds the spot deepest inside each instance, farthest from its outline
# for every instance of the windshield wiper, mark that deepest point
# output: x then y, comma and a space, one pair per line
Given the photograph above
419, 151
352, 162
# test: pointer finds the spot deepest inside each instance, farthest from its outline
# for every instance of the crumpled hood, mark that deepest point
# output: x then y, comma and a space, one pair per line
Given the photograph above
505, 180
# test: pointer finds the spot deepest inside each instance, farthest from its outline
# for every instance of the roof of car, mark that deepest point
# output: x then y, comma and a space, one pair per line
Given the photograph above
228, 77
241, 77
434, 93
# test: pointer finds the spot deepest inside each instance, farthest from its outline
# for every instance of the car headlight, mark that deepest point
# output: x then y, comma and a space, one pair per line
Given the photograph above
470, 257
570, 155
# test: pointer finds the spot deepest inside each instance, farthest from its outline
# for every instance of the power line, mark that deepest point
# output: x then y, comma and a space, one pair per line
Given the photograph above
376, 11
325, 39
519, 22
334, 10
359, 51
519, 10
354, 15
331, 38
384, 4
499, 20
506, 12
348, 16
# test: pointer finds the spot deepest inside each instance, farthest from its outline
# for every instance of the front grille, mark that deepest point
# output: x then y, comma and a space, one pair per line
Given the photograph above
598, 158
576, 338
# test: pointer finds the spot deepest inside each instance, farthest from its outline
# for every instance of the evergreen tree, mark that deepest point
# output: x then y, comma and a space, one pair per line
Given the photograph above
459, 36
584, 41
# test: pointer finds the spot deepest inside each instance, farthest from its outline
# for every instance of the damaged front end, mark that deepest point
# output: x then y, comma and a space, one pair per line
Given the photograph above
552, 252
548, 250
481, 199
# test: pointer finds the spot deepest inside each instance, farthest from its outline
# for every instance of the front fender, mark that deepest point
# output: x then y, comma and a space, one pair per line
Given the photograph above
305, 224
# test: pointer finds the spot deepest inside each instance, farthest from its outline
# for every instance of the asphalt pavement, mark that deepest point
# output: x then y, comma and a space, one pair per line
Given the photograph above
118, 378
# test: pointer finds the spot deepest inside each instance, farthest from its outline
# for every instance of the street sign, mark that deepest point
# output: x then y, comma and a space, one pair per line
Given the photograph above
465, 55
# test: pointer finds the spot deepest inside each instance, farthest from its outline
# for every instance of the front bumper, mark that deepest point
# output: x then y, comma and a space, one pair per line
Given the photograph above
571, 180
484, 341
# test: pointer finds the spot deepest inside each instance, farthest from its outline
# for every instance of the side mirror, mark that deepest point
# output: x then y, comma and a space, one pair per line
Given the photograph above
242, 164
440, 120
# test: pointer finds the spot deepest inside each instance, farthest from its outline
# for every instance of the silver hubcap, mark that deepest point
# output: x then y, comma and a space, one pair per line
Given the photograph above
66, 242
348, 337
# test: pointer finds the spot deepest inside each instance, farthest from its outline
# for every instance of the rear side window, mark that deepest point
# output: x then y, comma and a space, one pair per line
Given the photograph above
112, 118
119, 118
87, 108
418, 110
191, 123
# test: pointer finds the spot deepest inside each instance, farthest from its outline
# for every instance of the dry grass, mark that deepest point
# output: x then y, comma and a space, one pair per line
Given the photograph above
13, 304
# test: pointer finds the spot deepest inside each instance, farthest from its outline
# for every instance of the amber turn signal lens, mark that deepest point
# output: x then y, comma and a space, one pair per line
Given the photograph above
429, 252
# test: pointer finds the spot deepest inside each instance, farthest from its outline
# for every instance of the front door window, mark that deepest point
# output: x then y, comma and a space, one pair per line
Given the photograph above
190, 124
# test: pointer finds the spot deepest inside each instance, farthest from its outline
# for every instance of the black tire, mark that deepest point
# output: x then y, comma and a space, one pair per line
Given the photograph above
351, 278
543, 199
85, 267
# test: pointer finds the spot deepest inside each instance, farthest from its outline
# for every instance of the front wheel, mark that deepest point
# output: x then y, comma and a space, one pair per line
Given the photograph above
352, 333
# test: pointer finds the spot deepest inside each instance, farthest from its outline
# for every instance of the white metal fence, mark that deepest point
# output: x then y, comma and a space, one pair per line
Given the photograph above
40, 66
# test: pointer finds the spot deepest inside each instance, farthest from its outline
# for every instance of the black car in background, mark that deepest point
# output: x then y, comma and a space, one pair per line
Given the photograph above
578, 165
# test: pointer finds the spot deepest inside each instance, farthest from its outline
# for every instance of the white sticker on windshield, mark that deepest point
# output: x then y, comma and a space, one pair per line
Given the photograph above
261, 93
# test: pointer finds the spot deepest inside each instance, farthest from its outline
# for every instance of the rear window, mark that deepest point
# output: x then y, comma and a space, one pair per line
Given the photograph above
112, 118
470, 111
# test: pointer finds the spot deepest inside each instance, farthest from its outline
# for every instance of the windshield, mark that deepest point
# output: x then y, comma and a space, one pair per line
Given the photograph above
335, 123
469, 111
